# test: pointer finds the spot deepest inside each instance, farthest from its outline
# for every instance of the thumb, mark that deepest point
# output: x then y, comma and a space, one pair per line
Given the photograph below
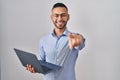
70, 35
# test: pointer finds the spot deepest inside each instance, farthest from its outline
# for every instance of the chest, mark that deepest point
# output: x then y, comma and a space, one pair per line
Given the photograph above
54, 46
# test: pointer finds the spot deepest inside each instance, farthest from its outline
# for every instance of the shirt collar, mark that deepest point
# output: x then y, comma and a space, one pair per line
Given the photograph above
64, 33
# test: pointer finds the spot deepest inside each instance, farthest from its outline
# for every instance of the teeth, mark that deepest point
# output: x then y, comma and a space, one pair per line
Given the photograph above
60, 22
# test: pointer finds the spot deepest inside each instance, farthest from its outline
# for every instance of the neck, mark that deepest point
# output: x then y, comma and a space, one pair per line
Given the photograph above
58, 32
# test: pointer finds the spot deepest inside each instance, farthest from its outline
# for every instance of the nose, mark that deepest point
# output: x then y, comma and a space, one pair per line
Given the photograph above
60, 17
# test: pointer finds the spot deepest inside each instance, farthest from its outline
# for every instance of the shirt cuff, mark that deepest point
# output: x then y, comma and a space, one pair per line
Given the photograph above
82, 45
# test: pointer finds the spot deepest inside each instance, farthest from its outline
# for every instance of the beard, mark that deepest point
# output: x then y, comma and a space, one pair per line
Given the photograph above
60, 24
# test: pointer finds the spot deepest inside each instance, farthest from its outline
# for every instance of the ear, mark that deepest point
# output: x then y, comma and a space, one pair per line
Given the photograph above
51, 16
68, 16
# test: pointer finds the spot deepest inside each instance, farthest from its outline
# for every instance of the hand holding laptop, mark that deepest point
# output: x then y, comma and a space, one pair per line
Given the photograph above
30, 68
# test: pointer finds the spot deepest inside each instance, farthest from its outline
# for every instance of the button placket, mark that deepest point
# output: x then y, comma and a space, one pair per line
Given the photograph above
56, 51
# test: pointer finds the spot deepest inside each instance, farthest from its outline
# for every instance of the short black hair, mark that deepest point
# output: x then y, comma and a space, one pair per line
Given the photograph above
59, 5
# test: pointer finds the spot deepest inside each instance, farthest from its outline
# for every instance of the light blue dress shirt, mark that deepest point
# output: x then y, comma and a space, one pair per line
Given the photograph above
56, 50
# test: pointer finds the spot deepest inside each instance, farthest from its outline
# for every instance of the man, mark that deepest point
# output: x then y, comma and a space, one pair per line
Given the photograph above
60, 47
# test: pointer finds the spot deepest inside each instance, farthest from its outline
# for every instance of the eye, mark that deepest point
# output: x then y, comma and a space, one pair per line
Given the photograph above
56, 15
63, 15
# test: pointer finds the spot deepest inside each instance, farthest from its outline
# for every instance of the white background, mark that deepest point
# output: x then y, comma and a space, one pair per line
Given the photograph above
24, 22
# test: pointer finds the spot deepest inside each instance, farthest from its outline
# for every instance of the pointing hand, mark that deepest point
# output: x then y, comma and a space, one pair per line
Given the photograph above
74, 40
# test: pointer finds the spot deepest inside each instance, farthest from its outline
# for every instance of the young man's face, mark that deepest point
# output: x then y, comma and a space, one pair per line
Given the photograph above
60, 17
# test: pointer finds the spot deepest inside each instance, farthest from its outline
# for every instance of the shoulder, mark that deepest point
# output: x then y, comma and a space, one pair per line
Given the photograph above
44, 38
